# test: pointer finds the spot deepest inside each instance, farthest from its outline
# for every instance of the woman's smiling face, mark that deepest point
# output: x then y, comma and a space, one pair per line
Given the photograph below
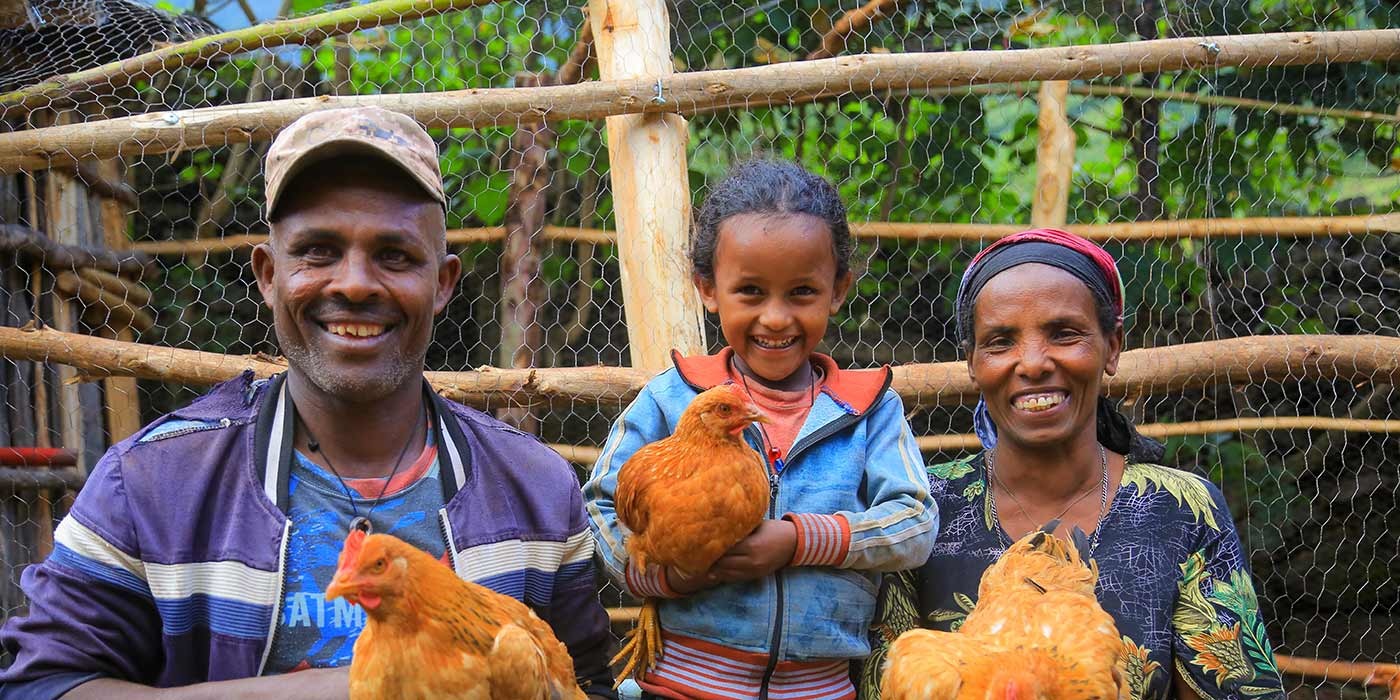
1039, 355
774, 289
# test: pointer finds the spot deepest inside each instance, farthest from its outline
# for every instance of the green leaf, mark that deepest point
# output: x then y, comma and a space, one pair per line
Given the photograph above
486, 197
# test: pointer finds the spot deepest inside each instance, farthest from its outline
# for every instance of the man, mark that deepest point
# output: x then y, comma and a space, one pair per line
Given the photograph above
198, 553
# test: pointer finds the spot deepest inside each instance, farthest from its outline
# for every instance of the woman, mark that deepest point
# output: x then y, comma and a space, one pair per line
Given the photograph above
1040, 315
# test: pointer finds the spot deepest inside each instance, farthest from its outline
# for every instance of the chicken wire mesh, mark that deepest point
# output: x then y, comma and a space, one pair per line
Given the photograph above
1315, 507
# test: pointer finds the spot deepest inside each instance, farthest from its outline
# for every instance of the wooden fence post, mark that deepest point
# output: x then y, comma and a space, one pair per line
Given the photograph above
521, 288
120, 393
650, 186
1054, 157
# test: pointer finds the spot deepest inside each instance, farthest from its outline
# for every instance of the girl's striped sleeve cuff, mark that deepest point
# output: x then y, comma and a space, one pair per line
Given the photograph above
650, 583
822, 540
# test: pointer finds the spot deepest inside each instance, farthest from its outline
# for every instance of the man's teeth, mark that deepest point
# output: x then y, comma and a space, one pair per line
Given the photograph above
1039, 402
775, 344
359, 330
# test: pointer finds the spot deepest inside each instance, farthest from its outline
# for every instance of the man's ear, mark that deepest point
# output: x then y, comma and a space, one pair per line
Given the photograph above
449, 272
264, 268
707, 290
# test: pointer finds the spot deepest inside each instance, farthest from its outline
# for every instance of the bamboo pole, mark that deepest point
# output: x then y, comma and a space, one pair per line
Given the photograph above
587, 454
688, 93
650, 185
455, 237
1168, 369
1363, 673
968, 441
1054, 157
1280, 226
1228, 101
201, 51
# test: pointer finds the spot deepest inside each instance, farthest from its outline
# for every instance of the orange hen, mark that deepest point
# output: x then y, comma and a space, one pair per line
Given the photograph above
429, 634
688, 498
1037, 633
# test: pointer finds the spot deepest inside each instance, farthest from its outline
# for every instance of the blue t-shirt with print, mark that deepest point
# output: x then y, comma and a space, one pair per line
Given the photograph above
314, 632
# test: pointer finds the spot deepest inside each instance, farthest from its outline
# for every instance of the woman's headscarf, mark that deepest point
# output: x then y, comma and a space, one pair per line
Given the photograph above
1089, 264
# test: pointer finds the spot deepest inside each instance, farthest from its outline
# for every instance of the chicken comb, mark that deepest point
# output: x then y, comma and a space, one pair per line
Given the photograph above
354, 542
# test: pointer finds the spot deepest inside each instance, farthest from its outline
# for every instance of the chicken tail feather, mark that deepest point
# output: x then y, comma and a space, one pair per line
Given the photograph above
643, 646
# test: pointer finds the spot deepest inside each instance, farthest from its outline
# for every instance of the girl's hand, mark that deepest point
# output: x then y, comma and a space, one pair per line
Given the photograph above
768, 548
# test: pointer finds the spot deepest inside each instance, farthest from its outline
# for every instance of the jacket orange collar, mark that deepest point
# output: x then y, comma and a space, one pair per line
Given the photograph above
856, 390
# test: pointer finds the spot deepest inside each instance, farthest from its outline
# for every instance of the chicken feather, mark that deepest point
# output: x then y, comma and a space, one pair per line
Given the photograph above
429, 634
1037, 633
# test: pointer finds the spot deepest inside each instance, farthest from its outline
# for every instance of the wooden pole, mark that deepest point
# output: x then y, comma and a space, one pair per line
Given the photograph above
522, 289
1140, 231
1343, 671
121, 395
198, 52
693, 92
455, 237
650, 185
851, 24
1169, 369
116, 313
968, 441
1137, 231
1054, 157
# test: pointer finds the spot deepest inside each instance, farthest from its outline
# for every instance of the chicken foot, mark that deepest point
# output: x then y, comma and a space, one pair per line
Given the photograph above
643, 646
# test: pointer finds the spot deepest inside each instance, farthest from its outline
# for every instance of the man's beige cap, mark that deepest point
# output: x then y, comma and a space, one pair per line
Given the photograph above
371, 131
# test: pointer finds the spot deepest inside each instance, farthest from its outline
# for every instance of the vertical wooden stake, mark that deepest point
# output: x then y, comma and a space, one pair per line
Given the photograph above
119, 393
1054, 157
521, 287
650, 186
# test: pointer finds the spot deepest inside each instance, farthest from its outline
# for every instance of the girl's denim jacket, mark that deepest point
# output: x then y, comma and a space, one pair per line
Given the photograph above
854, 470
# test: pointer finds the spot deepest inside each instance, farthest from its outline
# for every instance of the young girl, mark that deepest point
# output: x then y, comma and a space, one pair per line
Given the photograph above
786, 609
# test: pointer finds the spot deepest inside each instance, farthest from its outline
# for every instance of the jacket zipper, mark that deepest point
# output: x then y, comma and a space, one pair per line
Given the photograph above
445, 530
223, 423
821, 434
281, 593
778, 583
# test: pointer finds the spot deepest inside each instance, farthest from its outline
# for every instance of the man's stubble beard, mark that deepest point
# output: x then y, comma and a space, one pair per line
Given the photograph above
353, 386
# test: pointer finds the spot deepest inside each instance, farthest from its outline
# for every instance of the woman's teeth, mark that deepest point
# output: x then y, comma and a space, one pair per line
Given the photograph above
1039, 402
358, 330
772, 344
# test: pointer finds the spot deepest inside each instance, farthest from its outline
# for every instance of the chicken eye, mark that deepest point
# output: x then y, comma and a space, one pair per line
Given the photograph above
379, 565
724, 409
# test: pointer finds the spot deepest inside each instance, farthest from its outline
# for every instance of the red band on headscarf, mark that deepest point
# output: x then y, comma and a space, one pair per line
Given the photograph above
1079, 244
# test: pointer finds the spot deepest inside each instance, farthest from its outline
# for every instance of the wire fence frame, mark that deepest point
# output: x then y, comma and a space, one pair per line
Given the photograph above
699, 92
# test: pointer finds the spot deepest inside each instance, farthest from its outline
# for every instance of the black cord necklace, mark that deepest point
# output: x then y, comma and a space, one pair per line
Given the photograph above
774, 457
363, 522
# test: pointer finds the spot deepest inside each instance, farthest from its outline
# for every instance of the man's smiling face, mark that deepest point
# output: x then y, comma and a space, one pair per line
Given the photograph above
354, 273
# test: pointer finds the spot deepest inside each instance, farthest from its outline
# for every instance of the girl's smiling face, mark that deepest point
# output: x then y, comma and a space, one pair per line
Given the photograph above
775, 287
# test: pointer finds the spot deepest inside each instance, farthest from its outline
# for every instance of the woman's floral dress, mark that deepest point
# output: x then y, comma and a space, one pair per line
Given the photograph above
1172, 573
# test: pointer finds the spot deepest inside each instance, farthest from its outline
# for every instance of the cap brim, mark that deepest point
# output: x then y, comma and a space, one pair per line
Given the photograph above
333, 148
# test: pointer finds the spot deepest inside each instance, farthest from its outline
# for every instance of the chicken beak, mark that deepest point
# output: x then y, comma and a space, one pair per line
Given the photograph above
342, 587
757, 416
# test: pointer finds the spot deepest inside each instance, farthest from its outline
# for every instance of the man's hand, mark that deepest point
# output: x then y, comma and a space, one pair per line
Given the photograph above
768, 548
